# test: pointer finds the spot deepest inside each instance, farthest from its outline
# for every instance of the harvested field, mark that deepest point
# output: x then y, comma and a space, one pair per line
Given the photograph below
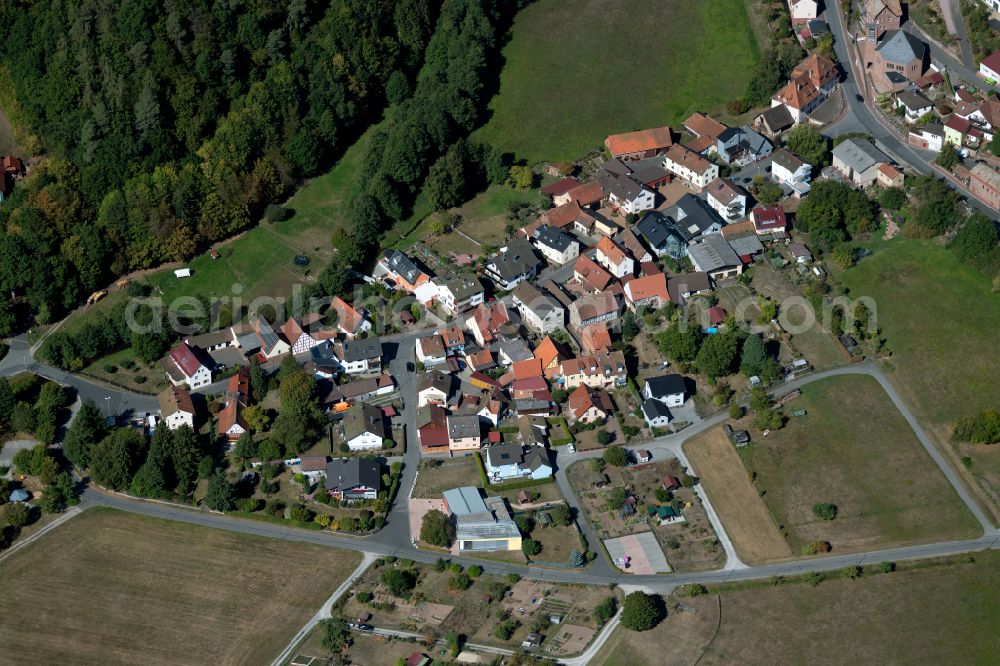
110, 587
743, 513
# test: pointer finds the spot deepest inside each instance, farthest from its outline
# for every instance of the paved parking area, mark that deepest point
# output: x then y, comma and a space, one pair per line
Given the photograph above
647, 556
11, 448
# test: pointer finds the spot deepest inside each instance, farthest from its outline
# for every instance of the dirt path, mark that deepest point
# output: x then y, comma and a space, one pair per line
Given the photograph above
742, 511
8, 146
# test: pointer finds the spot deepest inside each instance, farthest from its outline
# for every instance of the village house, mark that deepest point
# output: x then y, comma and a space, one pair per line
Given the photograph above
350, 322
590, 274
311, 467
694, 217
514, 263
431, 351
434, 388
802, 11
984, 183
459, 293
713, 255
989, 67
800, 253
889, 176
595, 338
626, 194
556, 246
593, 308
727, 199
821, 72
774, 121
858, 160
231, 423
686, 285
601, 370
690, 166
359, 357
641, 144
613, 258
627, 239
299, 340
914, 105
662, 235
559, 189
649, 291
706, 132
176, 407
486, 321
742, 145
956, 128
271, 344
188, 365
364, 427
549, 355
539, 312
353, 479
582, 197
588, 404
464, 433
401, 270
360, 390
660, 394
799, 96
512, 461
789, 170
770, 222
927, 137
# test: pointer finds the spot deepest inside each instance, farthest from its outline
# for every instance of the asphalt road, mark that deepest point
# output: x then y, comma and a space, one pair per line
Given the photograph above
860, 117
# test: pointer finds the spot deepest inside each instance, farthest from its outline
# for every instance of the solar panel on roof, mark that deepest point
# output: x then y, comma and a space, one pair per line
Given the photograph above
267, 335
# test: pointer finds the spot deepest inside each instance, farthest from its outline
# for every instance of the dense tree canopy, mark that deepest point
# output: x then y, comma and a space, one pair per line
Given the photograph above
172, 124
834, 212
976, 243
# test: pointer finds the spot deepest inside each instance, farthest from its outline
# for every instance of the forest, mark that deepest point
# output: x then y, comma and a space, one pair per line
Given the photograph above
167, 125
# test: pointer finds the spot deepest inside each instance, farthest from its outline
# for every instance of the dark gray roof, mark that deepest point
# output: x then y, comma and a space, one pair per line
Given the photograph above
778, 118
900, 47
748, 244
359, 350
323, 355
461, 286
693, 215
746, 137
504, 454
712, 252
786, 159
934, 128
518, 259
655, 227
535, 300
364, 418
654, 409
688, 283
913, 101
402, 265
435, 379
248, 341
859, 154
461, 426
553, 238
624, 188
347, 473
619, 168
665, 385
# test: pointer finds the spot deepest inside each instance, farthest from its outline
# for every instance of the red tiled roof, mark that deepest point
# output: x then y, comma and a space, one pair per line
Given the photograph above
766, 219
633, 142
819, 69
585, 397
485, 379
798, 93
614, 254
524, 369
185, 359
561, 216
588, 193
560, 187
703, 126
592, 273
547, 352
596, 338
648, 287
992, 61
348, 319
688, 158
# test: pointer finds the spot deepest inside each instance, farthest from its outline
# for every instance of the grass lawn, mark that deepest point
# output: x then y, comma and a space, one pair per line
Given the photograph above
436, 475
940, 319
561, 92
113, 587
141, 377
840, 452
919, 614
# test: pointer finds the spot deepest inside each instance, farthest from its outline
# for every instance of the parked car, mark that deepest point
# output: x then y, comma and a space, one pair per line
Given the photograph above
860, 98
366, 627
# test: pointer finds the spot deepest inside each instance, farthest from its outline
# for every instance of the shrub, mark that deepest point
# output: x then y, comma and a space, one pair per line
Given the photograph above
513, 578
505, 629
250, 504
530, 547
641, 611
735, 411
460, 582
854, 571
606, 609
399, 581
475, 571
364, 597
695, 590
887, 567
825, 510
441, 564
615, 456
455, 568
436, 529
813, 578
